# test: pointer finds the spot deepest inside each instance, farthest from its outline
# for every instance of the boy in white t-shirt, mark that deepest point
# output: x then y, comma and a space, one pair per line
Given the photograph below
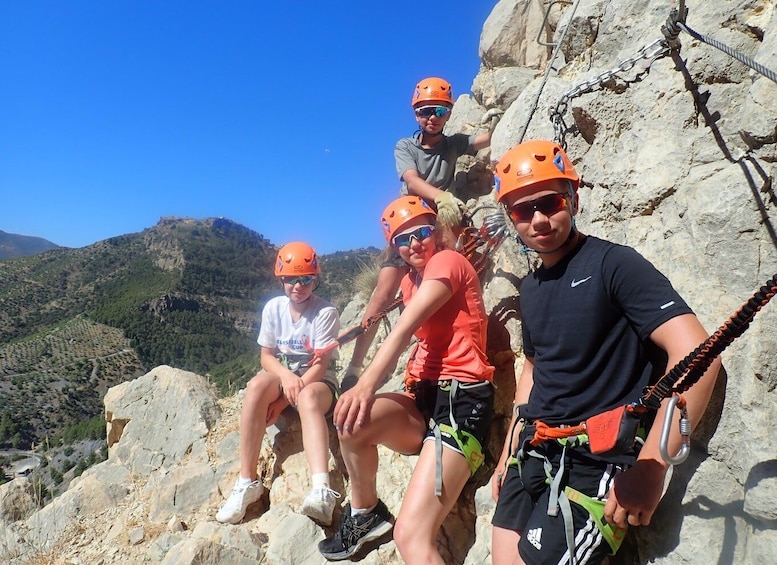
293, 327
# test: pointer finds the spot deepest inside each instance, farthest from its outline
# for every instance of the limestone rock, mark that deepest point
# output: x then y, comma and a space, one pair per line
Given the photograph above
678, 156
17, 500
509, 35
159, 418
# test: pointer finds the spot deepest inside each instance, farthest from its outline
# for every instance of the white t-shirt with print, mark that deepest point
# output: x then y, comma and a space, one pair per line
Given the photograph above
296, 343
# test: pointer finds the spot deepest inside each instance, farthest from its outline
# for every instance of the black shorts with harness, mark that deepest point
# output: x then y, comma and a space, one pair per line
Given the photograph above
554, 494
459, 416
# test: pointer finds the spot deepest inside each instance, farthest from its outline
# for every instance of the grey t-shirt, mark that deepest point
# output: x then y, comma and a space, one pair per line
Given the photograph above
436, 165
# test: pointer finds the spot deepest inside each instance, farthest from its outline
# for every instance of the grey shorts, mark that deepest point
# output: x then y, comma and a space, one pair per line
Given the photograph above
330, 378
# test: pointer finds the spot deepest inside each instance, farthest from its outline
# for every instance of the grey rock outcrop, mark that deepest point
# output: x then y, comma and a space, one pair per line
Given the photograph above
17, 500
156, 438
678, 156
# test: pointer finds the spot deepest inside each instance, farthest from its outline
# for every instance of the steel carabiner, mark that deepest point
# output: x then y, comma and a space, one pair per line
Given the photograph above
685, 432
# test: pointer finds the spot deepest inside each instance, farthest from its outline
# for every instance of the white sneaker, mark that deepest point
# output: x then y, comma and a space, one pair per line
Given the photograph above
233, 510
319, 504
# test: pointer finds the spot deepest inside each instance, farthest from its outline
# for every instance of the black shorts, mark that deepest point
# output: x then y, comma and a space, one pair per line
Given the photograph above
523, 505
472, 409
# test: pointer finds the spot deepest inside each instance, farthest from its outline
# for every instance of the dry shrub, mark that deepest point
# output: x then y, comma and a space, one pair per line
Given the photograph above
366, 278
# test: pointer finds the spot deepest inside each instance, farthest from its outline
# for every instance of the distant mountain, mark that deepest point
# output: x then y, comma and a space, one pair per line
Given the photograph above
186, 293
13, 245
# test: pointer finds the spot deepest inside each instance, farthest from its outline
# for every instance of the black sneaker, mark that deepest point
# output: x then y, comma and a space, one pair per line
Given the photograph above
355, 531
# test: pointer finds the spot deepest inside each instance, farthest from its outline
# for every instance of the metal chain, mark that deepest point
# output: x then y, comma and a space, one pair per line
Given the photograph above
650, 53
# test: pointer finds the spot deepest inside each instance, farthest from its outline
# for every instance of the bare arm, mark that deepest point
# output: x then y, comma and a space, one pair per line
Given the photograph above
419, 187
636, 493
482, 141
290, 383
678, 337
523, 386
353, 406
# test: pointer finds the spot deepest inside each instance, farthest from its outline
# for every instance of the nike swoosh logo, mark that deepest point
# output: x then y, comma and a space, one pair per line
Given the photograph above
575, 283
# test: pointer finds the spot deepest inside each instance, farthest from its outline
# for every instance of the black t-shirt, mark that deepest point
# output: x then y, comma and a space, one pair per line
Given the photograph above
586, 324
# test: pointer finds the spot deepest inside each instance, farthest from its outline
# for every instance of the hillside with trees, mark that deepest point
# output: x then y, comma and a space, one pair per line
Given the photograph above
14, 245
186, 293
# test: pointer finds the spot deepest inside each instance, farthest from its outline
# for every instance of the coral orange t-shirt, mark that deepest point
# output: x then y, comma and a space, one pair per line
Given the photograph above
452, 342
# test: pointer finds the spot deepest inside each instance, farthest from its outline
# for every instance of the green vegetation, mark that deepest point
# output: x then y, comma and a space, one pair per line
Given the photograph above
58, 377
341, 271
185, 293
12, 245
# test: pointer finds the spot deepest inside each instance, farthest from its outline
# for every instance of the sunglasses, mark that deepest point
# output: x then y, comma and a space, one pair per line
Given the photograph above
304, 280
546, 205
429, 111
420, 233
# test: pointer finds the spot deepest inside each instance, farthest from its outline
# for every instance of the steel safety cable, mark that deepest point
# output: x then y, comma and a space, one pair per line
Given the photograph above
549, 68
692, 367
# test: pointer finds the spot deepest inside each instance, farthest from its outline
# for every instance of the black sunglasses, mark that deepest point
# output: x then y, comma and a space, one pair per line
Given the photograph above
546, 205
304, 280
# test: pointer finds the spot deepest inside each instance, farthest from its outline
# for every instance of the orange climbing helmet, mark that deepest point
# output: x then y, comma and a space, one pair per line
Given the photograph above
296, 258
531, 162
432, 90
401, 211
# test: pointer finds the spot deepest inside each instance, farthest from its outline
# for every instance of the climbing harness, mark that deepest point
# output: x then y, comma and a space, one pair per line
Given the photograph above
559, 498
617, 431
614, 432
467, 443
476, 244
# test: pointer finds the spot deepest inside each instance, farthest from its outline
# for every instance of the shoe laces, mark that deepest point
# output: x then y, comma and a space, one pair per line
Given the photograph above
324, 491
240, 489
346, 525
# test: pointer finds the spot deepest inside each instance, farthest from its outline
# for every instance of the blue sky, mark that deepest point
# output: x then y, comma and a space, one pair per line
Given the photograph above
279, 115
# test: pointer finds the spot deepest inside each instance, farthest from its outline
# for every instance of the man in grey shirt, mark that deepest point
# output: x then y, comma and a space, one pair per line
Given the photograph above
426, 163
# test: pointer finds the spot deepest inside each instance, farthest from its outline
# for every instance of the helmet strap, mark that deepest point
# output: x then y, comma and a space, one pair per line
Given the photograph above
524, 248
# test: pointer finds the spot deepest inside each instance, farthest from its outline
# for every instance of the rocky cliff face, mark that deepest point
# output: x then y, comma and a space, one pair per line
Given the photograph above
678, 153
